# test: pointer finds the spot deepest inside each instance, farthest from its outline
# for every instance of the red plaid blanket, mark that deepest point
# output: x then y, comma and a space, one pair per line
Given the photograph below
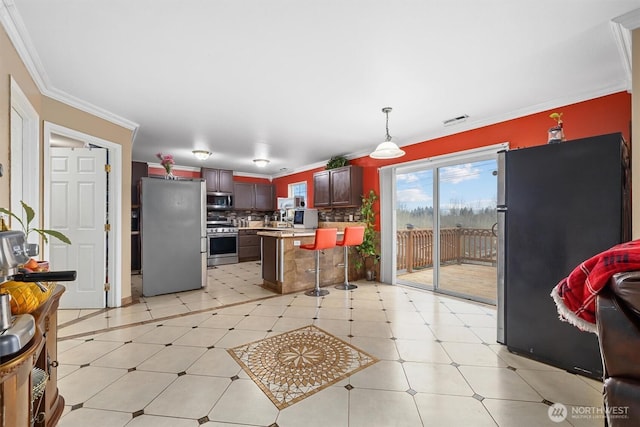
575, 295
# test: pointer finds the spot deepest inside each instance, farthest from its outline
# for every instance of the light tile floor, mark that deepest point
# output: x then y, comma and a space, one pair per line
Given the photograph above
163, 362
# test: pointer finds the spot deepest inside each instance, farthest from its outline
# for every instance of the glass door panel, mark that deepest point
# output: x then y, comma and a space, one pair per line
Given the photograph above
414, 228
467, 198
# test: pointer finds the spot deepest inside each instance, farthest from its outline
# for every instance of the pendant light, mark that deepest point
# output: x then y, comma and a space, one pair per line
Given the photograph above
387, 149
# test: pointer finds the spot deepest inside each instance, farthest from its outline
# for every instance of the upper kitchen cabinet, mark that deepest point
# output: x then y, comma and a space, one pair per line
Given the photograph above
248, 196
264, 197
339, 187
218, 180
321, 189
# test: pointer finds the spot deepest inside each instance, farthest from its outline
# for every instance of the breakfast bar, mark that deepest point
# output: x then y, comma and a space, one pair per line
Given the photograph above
286, 268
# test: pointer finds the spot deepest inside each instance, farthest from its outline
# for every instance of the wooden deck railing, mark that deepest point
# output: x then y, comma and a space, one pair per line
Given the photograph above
457, 245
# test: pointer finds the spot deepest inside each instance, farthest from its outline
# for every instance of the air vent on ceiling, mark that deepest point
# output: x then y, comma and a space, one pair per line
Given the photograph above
456, 120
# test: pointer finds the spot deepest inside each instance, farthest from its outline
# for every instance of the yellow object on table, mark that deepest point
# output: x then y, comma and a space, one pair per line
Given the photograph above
25, 296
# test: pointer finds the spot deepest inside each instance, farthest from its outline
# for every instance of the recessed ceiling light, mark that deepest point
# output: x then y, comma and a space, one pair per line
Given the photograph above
261, 162
201, 154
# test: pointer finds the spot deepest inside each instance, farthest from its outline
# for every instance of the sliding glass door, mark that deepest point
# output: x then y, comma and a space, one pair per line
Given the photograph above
445, 226
468, 237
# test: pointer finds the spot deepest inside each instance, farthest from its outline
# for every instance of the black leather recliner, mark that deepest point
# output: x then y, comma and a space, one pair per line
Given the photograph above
618, 323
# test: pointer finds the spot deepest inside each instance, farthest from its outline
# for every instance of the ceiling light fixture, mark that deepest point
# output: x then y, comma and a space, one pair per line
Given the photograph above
261, 162
387, 149
201, 154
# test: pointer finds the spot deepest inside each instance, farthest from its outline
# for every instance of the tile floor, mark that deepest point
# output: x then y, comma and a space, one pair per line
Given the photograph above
163, 362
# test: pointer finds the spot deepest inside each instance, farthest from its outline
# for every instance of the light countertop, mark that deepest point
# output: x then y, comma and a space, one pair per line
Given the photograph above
289, 232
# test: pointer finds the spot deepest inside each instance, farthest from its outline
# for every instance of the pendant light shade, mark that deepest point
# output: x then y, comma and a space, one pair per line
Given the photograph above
387, 149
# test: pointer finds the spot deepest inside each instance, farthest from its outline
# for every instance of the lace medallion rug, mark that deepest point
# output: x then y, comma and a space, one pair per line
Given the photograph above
294, 365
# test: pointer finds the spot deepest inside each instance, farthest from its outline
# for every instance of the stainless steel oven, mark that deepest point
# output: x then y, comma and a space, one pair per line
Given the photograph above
223, 244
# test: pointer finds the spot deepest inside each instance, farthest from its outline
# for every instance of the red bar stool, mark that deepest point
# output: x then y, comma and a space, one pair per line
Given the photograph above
325, 239
353, 236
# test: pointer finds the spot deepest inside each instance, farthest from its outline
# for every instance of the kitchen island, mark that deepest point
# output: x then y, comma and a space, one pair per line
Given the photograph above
286, 268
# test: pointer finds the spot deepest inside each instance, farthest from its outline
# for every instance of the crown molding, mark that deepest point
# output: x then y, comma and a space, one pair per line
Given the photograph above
19, 36
621, 27
253, 175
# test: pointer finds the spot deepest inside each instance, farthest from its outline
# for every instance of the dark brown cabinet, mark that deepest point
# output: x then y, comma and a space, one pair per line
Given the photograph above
264, 197
243, 196
248, 245
270, 260
339, 187
138, 170
321, 189
249, 196
218, 180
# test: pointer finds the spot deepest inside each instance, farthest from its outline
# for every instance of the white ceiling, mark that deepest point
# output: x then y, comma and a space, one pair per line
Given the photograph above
299, 81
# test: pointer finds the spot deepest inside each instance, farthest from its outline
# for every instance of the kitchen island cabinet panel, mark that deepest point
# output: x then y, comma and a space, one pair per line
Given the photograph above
286, 268
270, 261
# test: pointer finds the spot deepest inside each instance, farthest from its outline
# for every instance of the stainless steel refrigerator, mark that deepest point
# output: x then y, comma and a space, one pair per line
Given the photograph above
174, 235
558, 205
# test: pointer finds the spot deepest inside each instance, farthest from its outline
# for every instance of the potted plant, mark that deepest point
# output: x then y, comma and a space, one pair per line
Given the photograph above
337, 162
27, 228
28, 296
368, 249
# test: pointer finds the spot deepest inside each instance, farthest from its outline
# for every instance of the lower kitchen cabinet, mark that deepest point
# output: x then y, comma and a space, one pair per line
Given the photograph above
248, 245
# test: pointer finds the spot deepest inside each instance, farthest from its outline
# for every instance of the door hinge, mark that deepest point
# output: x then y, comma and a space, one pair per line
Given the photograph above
107, 168
107, 287
107, 227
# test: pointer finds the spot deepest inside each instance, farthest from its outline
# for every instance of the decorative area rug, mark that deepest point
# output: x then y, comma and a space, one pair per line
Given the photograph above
296, 364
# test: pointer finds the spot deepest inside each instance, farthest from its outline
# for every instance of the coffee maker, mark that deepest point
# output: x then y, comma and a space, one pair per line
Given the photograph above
16, 331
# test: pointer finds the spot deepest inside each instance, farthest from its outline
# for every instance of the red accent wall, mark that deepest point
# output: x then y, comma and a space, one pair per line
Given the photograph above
158, 170
607, 114
251, 179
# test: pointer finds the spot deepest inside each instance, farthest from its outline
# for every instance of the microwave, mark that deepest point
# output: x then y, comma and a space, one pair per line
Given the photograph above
305, 218
219, 201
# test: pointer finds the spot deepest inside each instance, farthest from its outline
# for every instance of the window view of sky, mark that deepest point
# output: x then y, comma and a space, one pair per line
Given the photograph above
472, 185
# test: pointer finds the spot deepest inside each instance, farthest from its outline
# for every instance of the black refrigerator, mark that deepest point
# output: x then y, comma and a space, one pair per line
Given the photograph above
558, 205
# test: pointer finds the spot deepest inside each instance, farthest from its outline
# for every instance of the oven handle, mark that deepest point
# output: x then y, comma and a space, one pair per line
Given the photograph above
222, 235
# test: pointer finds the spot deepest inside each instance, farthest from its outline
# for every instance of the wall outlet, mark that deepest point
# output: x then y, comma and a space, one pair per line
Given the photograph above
296, 243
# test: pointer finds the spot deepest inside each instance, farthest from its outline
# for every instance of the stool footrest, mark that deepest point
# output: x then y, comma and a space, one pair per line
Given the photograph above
317, 292
346, 286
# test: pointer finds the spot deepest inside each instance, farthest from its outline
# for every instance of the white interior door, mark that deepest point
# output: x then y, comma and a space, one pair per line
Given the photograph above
79, 209
25, 153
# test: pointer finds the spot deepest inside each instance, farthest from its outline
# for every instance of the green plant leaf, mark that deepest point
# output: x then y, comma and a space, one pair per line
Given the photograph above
337, 162
29, 211
26, 227
8, 212
368, 248
58, 235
